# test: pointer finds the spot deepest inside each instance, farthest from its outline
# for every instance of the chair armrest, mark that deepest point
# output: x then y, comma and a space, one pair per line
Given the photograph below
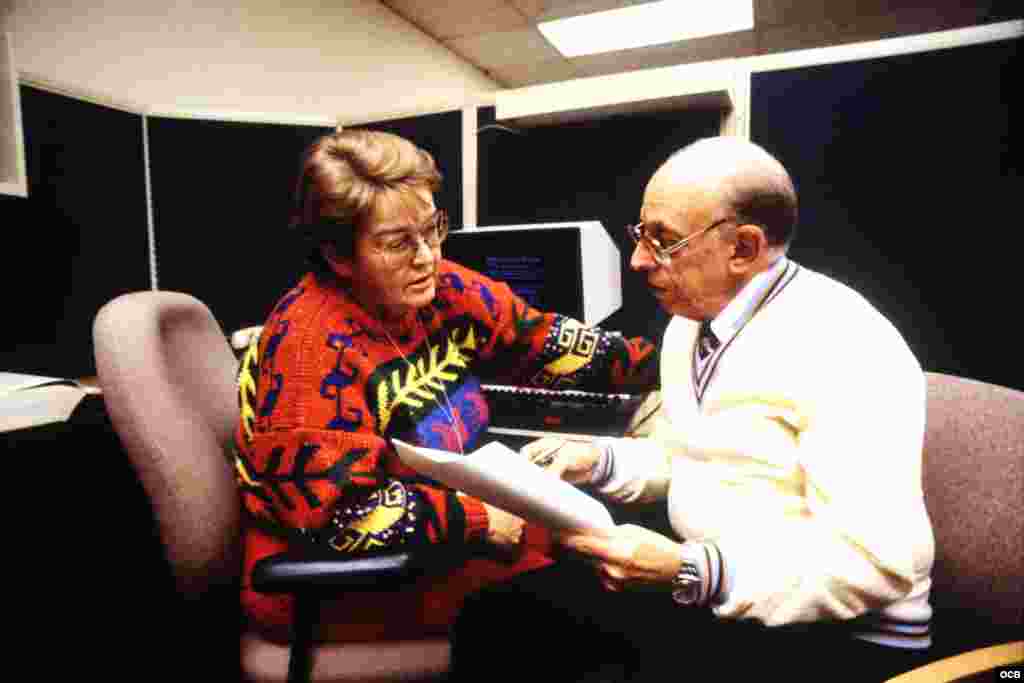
313, 575
320, 573
965, 664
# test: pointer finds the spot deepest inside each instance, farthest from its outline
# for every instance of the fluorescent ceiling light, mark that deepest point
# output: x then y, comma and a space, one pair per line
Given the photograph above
652, 23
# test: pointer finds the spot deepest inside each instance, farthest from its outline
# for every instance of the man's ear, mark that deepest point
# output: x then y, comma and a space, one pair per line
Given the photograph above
749, 247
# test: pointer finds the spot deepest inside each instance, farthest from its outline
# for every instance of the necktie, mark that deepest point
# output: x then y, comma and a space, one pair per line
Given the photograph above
707, 342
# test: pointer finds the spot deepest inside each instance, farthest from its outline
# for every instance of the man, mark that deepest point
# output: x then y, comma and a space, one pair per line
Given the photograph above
787, 443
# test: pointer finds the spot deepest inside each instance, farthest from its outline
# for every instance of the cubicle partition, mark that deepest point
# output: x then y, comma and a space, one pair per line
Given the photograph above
222, 194
79, 238
85, 547
909, 171
585, 171
441, 135
906, 157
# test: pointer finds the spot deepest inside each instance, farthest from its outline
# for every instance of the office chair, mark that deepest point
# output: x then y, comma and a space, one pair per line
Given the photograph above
974, 491
167, 374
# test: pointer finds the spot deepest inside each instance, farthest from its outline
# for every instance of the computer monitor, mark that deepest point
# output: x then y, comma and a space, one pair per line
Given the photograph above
569, 268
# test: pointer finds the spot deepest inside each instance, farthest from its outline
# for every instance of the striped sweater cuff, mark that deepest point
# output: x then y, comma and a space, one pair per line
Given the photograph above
716, 573
477, 521
604, 468
708, 557
910, 634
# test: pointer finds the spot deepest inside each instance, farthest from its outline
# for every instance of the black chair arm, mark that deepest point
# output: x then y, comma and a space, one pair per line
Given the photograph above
315, 575
291, 573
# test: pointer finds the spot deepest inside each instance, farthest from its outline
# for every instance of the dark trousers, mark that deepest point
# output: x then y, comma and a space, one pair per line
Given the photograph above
558, 624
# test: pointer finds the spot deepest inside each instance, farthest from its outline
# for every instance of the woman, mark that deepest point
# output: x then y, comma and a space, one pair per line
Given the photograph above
383, 338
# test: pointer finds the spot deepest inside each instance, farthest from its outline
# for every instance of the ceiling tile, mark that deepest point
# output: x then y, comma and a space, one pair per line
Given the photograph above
796, 36
449, 19
504, 18
522, 75
778, 12
738, 44
849, 12
431, 6
906, 21
795, 12
507, 47
530, 8
864, 27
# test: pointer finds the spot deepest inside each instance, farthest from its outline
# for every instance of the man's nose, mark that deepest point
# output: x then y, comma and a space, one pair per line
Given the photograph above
642, 259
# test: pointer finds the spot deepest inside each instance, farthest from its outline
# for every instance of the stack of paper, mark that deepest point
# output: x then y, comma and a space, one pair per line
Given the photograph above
505, 479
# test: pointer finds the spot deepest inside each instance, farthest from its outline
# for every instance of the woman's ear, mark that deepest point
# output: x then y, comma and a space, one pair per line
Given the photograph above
342, 266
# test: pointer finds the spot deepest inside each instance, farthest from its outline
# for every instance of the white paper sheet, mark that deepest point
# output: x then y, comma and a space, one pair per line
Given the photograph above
30, 400
12, 381
503, 478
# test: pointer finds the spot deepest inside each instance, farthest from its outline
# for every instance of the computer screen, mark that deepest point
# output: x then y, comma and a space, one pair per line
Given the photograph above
568, 268
540, 265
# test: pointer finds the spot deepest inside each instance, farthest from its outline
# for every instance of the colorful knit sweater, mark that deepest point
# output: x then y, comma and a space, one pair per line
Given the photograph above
326, 386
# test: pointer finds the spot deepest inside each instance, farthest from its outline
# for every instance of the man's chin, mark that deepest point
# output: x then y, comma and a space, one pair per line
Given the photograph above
667, 304
662, 296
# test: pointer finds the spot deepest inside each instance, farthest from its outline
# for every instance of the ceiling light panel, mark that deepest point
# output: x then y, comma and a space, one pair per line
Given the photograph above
653, 23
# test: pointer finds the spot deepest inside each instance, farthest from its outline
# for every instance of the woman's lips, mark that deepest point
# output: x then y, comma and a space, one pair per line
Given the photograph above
422, 283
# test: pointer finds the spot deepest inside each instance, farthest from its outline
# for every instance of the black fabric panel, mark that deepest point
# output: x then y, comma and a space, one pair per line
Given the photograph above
222, 194
80, 238
909, 175
593, 170
441, 135
89, 550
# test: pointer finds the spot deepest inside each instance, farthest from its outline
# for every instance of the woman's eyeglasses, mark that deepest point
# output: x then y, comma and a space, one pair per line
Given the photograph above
403, 245
663, 253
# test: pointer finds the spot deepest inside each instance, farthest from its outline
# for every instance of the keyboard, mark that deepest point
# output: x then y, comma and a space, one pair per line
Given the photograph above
527, 411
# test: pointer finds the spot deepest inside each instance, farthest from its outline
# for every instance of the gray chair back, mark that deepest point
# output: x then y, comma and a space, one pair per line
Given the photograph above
168, 378
974, 491
167, 373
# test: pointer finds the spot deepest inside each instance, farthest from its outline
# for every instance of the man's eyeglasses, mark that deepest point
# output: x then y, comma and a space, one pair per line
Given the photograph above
403, 245
663, 253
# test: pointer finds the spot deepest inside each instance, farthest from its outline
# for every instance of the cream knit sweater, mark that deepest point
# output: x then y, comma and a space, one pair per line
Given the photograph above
802, 462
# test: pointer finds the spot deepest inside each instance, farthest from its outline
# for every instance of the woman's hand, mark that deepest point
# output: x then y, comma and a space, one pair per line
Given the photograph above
504, 530
240, 339
571, 460
632, 557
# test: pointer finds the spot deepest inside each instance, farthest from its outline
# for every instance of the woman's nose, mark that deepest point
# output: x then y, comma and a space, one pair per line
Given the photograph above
422, 247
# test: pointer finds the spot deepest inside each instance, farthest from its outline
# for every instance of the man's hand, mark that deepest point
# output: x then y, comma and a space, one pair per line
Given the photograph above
571, 460
632, 557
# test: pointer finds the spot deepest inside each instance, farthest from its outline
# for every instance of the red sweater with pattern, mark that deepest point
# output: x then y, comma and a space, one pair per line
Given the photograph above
326, 386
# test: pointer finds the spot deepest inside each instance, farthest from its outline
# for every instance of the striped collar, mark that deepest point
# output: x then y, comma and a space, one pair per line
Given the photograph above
741, 309
727, 325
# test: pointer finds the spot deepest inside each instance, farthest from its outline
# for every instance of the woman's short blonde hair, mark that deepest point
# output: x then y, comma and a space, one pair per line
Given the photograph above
344, 177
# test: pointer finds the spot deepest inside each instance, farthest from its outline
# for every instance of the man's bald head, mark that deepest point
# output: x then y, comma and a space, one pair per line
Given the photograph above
742, 176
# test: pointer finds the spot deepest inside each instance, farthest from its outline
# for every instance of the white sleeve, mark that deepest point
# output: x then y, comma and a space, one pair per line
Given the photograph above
637, 471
